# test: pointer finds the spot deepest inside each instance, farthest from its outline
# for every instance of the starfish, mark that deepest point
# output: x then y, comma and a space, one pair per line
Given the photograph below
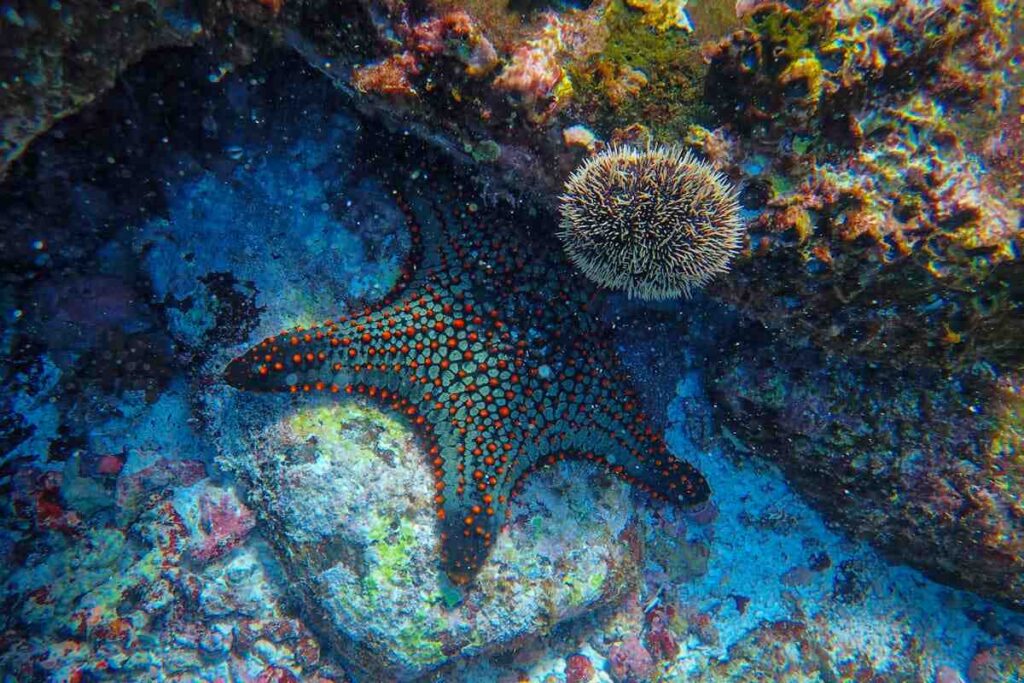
489, 345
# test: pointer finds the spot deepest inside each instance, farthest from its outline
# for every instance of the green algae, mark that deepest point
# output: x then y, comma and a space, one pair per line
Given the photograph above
418, 647
393, 549
792, 35
486, 151
577, 593
669, 102
449, 595
333, 426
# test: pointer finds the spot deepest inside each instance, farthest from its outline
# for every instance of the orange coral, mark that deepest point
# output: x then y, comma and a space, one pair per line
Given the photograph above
389, 77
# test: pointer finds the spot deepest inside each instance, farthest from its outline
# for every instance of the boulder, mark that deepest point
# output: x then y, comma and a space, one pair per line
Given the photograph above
923, 465
344, 494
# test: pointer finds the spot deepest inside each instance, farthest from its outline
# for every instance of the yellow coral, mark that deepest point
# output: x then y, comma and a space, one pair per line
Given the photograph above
663, 14
807, 69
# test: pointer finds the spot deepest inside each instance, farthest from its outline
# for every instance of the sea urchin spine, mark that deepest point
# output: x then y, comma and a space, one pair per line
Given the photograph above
654, 223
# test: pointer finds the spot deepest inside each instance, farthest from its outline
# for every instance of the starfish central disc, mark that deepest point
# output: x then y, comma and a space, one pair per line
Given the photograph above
487, 346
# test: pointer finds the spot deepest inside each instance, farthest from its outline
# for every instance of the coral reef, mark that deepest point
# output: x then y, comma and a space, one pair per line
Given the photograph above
654, 223
922, 465
879, 232
454, 36
100, 583
202, 202
813, 112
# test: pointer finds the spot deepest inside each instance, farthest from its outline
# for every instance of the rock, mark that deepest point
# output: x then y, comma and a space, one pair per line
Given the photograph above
344, 495
343, 232
996, 664
888, 240
59, 57
921, 464
83, 494
880, 249
135, 490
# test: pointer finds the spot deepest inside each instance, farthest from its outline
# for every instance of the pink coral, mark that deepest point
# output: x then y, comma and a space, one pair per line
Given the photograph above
435, 37
390, 76
535, 73
630, 661
660, 640
578, 669
453, 34
225, 524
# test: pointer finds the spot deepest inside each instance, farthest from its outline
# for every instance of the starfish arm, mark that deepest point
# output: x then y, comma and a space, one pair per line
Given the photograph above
490, 351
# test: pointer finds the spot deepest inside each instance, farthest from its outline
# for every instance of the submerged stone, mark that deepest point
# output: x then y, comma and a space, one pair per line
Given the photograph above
924, 466
345, 495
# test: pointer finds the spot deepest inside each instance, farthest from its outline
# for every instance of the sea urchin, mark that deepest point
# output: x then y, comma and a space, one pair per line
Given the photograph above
654, 223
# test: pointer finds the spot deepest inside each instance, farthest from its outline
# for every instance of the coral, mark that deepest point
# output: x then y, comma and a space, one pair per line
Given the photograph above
454, 35
579, 669
658, 638
91, 605
390, 76
639, 76
918, 463
580, 136
663, 14
225, 523
535, 74
654, 223
448, 349
875, 212
630, 662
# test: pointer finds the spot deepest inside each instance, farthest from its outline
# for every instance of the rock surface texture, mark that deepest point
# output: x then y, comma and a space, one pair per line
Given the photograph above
345, 496
926, 467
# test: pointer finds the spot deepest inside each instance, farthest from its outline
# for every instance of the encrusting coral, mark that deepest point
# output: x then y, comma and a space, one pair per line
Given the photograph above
655, 223
490, 351
853, 133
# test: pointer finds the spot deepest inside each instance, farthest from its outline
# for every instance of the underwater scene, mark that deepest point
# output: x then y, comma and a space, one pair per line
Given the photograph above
512, 341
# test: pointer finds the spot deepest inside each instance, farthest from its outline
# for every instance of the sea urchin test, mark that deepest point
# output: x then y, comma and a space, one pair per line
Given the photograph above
653, 223
488, 347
